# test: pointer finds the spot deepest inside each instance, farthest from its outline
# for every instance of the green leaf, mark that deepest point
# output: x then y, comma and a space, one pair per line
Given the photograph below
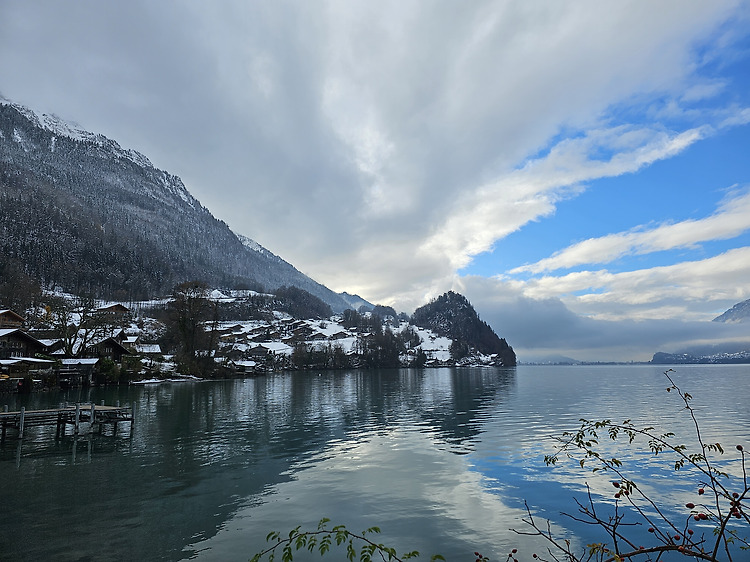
300, 541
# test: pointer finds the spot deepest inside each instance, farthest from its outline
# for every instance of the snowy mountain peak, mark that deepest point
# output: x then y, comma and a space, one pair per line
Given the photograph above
61, 128
103, 219
740, 312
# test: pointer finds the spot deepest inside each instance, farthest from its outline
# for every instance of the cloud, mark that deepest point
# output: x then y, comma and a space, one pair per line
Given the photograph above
731, 219
380, 146
495, 210
691, 288
541, 327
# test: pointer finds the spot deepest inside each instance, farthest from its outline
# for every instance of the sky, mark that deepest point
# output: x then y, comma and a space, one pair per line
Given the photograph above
578, 170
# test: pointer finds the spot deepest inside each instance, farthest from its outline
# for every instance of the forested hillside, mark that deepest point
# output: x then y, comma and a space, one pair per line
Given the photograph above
452, 316
82, 214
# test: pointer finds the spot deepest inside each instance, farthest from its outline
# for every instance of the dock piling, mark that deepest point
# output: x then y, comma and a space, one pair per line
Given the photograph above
21, 420
61, 417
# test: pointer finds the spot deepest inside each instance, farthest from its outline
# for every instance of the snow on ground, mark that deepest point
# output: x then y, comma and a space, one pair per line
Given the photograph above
436, 347
280, 335
277, 347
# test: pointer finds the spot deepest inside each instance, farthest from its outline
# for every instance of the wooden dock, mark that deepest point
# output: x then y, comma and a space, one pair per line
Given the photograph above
76, 415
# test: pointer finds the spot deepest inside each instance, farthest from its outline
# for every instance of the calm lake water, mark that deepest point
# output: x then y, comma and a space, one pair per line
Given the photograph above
442, 460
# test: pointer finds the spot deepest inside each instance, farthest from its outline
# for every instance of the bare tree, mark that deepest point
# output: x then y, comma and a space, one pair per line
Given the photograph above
78, 323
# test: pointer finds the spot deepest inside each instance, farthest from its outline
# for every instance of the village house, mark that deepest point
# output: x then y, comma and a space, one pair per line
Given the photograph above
109, 348
16, 343
117, 310
148, 349
76, 372
18, 351
131, 341
9, 319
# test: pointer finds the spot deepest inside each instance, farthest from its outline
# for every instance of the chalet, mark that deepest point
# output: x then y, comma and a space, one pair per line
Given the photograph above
245, 367
116, 309
131, 341
268, 349
51, 345
340, 335
109, 348
16, 343
23, 373
150, 349
22, 366
9, 319
259, 351
75, 372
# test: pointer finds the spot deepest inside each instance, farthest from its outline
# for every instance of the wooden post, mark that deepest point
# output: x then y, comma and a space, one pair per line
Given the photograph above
20, 421
91, 427
77, 423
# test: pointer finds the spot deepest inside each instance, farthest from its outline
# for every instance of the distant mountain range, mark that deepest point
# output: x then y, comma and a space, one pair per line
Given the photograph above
733, 352
80, 213
719, 354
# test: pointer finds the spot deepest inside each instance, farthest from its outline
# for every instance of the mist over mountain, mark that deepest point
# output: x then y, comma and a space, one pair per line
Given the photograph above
80, 213
723, 352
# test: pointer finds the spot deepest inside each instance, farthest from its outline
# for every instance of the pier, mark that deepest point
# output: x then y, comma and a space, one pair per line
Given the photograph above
77, 415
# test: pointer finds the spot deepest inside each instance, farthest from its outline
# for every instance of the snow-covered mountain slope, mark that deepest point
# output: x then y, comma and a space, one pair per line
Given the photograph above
81, 213
740, 312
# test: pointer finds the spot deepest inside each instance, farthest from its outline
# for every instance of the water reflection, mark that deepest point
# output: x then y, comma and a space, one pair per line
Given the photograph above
201, 452
550, 401
441, 459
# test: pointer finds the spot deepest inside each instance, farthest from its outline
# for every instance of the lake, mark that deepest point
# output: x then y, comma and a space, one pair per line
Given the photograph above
442, 460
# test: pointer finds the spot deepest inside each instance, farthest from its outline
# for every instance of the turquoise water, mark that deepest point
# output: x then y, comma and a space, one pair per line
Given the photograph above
442, 460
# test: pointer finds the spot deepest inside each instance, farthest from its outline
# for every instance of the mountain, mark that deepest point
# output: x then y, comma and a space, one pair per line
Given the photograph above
356, 302
452, 316
719, 354
740, 312
550, 360
80, 213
